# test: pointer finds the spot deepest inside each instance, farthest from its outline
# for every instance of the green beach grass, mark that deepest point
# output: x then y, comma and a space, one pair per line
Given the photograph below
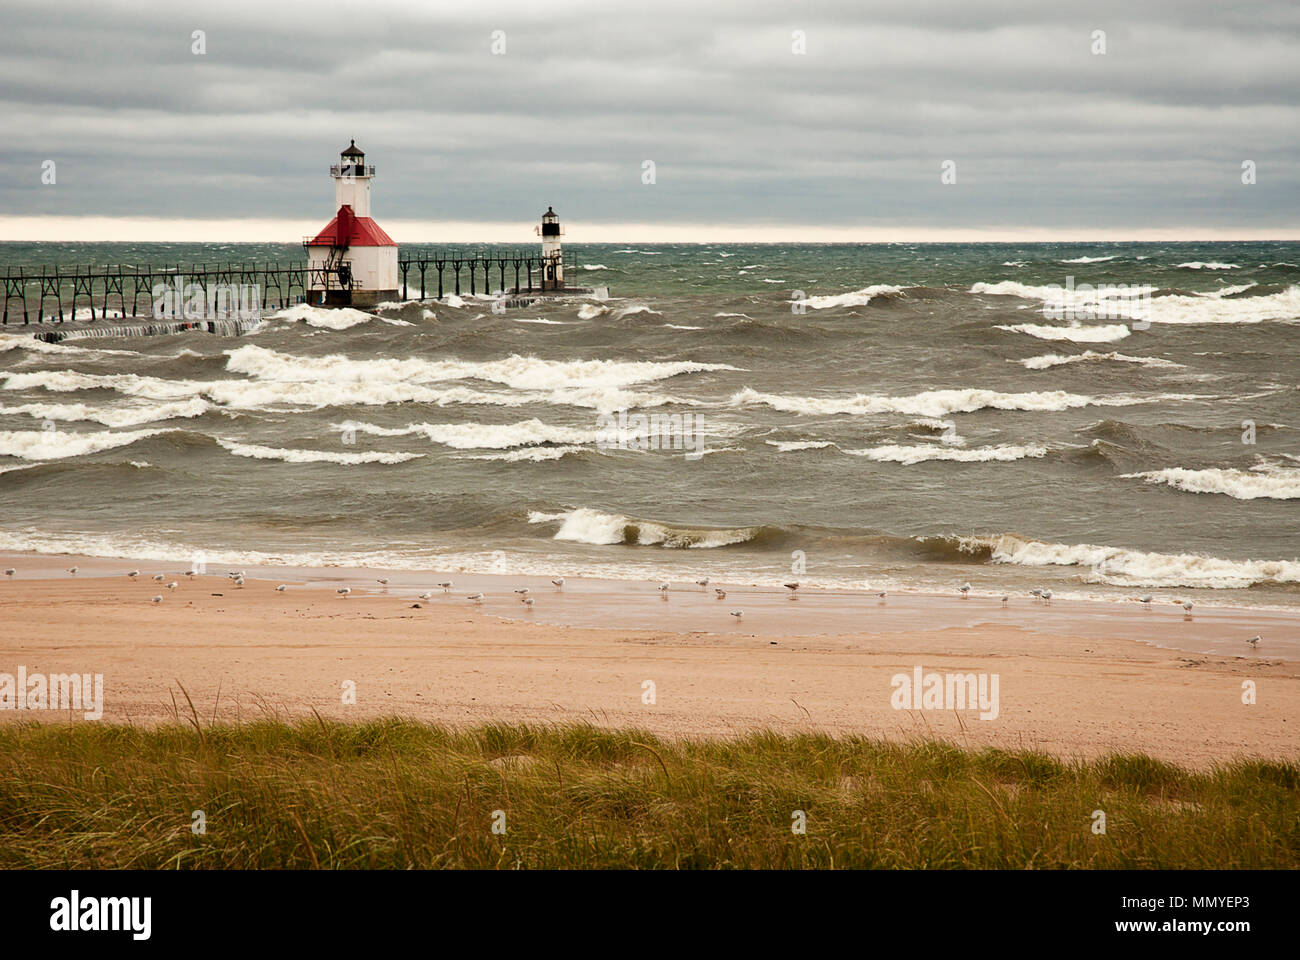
400, 794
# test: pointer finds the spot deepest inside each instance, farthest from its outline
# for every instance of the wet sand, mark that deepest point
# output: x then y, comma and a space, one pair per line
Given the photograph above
1076, 679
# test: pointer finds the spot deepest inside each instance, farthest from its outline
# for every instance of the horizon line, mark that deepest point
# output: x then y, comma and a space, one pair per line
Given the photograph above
93, 229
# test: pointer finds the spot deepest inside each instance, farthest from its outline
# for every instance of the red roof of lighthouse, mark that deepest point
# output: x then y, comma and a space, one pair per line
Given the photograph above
349, 230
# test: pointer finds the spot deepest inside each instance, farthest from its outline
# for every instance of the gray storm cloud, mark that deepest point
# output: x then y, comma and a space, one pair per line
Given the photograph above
742, 129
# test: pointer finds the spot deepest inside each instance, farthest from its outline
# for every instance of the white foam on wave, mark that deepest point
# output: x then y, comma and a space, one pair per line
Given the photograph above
59, 445
519, 372
258, 452
531, 454
111, 416
543, 320
1118, 566
1211, 265
585, 525
590, 311
594, 266
681, 326
131, 384
298, 395
1261, 482
790, 446
1217, 306
331, 318
931, 403
1089, 259
1229, 291
921, 453
485, 436
10, 341
1075, 333
1056, 360
854, 298
635, 309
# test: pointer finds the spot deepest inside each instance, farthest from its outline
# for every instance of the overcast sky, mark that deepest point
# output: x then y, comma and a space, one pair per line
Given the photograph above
748, 137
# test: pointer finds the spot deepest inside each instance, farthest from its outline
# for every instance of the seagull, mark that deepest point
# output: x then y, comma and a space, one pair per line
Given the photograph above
559, 583
343, 591
721, 594
1146, 599
881, 595
72, 570
239, 581
476, 597
522, 591
446, 585
1187, 605
1254, 641
737, 613
428, 595
158, 599
10, 572
159, 577
1005, 598
702, 582
383, 582
173, 585
965, 589
233, 574
280, 588
133, 573
792, 587
1035, 593
1047, 595
529, 601
663, 588
191, 574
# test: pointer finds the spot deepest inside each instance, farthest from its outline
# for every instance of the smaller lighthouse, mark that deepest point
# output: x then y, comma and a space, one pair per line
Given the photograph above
352, 261
552, 259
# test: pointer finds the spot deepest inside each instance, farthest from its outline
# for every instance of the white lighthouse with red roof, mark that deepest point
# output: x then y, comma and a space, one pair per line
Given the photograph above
352, 261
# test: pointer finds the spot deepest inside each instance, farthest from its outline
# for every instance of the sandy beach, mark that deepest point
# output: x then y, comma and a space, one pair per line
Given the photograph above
1072, 682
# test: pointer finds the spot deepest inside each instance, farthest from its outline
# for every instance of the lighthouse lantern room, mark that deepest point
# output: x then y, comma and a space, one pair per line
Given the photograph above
352, 261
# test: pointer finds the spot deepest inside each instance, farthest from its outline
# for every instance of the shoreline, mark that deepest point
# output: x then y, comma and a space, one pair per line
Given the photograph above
1068, 684
770, 612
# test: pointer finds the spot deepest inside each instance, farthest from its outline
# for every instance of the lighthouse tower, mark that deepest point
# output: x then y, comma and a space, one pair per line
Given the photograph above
352, 250
552, 260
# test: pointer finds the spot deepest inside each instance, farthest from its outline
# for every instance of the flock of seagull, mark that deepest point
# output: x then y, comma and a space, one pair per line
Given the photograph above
237, 578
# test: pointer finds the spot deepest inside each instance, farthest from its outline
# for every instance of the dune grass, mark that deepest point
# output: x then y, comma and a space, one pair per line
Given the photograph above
400, 794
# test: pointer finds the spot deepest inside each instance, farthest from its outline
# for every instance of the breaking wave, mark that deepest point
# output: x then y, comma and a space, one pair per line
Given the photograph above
1057, 360
1118, 566
258, 452
931, 403
1262, 482
920, 453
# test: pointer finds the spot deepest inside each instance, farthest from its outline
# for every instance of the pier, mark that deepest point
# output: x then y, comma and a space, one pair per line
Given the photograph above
103, 289
516, 273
